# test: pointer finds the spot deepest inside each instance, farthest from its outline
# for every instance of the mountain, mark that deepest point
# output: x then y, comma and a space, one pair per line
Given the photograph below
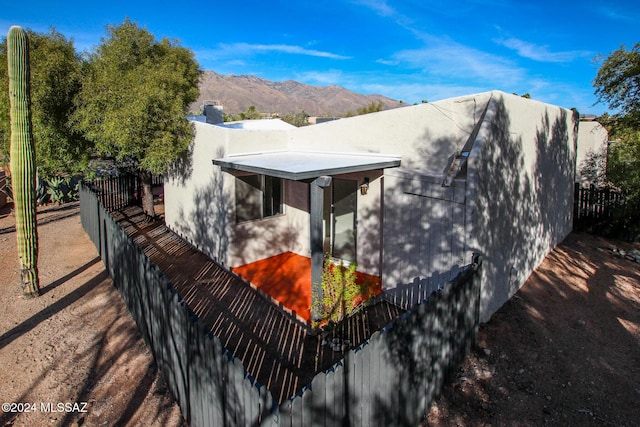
238, 93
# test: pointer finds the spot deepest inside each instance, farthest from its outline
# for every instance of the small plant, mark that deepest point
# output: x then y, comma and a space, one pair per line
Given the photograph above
73, 190
55, 190
341, 292
42, 196
6, 188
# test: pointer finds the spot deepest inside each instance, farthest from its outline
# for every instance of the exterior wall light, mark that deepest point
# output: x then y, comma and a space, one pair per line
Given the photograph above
364, 188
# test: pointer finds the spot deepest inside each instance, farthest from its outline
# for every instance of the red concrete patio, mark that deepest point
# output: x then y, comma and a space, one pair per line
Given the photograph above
287, 279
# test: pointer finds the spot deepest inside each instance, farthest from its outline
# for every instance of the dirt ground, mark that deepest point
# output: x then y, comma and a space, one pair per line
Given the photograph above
73, 355
564, 351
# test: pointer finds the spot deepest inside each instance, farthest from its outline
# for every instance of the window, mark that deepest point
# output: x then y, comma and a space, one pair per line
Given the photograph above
258, 196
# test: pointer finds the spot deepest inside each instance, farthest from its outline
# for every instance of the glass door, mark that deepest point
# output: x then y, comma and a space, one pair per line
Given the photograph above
340, 219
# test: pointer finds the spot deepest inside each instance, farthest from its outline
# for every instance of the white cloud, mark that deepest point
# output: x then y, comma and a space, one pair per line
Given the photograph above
379, 6
541, 53
324, 78
449, 61
616, 14
246, 49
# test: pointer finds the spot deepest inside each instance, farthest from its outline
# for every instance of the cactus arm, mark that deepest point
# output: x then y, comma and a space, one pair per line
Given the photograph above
23, 162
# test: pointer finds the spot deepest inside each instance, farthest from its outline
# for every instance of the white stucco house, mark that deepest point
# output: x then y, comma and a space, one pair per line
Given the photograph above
409, 194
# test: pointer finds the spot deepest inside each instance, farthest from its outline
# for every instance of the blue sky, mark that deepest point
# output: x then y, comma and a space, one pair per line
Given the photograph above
410, 50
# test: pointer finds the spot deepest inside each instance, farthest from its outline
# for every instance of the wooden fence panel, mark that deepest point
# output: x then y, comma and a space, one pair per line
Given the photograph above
197, 351
393, 378
367, 395
376, 385
594, 207
266, 405
339, 391
318, 398
210, 387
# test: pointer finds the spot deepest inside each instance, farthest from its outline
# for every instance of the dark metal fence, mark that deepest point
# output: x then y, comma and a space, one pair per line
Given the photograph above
116, 192
391, 379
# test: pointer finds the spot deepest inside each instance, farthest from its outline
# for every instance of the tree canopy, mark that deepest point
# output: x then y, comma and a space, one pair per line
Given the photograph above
618, 84
135, 96
373, 107
618, 80
55, 81
134, 101
251, 113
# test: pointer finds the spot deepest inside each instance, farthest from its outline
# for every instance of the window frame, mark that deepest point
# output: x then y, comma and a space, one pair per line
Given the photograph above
264, 195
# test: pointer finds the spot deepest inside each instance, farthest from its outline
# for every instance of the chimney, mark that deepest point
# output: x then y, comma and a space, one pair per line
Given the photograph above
213, 112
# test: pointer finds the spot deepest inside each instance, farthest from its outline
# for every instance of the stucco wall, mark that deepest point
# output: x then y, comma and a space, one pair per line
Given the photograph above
263, 238
200, 200
425, 135
197, 196
424, 236
423, 222
519, 191
591, 157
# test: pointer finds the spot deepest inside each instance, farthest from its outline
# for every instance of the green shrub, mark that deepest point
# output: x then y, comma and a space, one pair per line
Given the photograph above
341, 292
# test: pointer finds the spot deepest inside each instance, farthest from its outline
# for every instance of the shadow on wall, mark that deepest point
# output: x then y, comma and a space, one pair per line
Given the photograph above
523, 208
424, 225
206, 224
519, 217
274, 235
593, 168
182, 168
555, 175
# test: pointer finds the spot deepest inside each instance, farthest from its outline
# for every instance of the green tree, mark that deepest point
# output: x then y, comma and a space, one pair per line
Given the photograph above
617, 83
297, 119
618, 80
623, 158
252, 113
55, 81
134, 101
374, 107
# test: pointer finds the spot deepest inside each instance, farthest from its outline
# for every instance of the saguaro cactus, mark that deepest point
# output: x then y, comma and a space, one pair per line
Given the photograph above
23, 159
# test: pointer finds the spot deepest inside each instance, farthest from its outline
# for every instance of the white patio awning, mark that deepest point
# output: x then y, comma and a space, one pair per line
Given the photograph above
301, 165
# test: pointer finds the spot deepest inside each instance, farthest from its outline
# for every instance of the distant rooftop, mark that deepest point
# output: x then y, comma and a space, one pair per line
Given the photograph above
263, 124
